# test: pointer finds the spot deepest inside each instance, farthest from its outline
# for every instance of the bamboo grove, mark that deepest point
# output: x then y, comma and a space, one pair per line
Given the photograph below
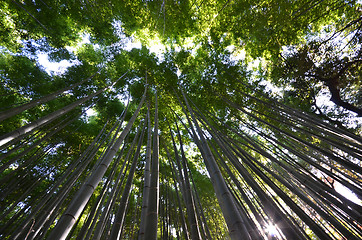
135, 181
189, 145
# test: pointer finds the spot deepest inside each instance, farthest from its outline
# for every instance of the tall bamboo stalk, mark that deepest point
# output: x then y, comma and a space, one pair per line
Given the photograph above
147, 178
231, 214
78, 203
14, 111
153, 200
119, 218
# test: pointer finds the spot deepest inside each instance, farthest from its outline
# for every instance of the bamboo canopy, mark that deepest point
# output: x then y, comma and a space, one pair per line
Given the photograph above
218, 136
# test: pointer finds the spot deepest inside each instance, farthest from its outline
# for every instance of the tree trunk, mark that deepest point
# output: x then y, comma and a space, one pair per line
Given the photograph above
78, 203
147, 178
236, 226
14, 111
44, 120
153, 201
119, 218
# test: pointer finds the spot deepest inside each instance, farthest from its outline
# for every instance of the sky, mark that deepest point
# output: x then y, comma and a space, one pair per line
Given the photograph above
57, 68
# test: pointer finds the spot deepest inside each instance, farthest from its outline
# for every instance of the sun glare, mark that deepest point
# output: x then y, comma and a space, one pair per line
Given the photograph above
347, 193
271, 230
90, 112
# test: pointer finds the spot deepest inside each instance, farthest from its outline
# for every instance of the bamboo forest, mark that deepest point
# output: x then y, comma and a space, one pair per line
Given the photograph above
181, 119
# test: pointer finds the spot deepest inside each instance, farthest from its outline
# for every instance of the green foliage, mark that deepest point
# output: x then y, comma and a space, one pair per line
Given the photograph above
109, 108
226, 91
60, 54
